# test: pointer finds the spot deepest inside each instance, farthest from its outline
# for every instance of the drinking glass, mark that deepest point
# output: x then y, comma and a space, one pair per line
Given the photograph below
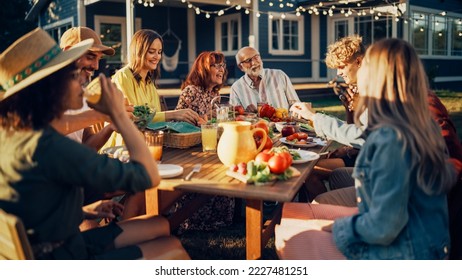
225, 112
209, 137
154, 141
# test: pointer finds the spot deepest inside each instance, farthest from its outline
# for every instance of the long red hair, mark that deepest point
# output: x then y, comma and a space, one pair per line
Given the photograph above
200, 71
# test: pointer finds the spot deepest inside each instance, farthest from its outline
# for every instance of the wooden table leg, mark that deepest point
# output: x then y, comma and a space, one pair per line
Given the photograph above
152, 201
253, 228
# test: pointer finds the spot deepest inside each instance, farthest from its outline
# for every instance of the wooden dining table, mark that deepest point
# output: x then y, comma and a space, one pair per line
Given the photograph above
212, 180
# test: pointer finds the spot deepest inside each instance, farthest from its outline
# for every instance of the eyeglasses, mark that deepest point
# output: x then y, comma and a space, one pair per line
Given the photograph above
249, 60
218, 65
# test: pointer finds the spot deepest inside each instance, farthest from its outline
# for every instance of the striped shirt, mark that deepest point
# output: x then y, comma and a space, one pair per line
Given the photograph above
276, 89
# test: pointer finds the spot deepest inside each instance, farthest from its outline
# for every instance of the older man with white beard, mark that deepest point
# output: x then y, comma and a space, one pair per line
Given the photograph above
260, 85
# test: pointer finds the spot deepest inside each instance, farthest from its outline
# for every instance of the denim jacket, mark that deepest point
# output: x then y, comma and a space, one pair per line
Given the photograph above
396, 219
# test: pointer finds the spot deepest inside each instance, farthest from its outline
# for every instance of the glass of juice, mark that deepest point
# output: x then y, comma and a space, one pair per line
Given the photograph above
209, 137
154, 141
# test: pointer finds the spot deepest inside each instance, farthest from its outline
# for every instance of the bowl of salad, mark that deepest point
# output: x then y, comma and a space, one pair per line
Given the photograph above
143, 116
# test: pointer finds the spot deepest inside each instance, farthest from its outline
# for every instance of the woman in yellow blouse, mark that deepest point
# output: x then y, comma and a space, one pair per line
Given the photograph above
137, 79
137, 82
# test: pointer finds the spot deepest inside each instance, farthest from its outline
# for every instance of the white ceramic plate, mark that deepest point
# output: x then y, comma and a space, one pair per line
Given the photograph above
316, 141
169, 170
115, 152
305, 156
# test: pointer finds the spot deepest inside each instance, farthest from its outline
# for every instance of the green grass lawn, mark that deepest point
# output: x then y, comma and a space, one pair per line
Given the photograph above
229, 243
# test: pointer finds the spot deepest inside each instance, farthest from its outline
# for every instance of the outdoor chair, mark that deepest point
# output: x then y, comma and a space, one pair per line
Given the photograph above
14, 244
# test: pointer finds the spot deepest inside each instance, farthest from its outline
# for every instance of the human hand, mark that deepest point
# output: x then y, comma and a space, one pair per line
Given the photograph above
186, 115
103, 209
302, 109
112, 99
252, 108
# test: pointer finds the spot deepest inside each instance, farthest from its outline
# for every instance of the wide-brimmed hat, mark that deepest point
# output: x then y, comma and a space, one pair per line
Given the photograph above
33, 57
76, 35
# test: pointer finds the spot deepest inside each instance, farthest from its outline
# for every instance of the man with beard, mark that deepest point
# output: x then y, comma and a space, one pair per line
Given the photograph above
78, 124
260, 85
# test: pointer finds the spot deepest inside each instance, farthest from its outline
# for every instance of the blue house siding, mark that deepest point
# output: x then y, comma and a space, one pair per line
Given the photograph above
298, 67
443, 68
443, 5
59, 10
156, 19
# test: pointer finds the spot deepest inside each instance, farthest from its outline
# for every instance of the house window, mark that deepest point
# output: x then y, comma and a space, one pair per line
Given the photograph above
372, 29
228, 34
440, 36
57, 29
286, 34
436, 35
456, 46
420, 32
112, 32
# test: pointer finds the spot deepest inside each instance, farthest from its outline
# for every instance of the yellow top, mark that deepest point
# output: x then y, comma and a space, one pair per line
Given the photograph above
137, 93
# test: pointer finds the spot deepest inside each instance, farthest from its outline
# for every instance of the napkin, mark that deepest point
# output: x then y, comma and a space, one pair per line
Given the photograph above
179, 127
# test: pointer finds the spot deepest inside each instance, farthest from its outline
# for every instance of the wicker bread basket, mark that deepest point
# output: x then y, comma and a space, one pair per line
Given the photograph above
182, 140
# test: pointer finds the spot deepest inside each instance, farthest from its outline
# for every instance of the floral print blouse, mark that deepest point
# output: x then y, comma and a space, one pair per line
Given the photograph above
197, 99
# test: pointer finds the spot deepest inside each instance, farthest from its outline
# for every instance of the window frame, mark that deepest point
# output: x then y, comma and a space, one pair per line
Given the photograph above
58, 25
450, 20
99, 19
301, 34
218, 33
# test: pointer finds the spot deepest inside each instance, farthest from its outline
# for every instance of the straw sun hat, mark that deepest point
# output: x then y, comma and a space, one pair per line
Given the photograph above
33, 57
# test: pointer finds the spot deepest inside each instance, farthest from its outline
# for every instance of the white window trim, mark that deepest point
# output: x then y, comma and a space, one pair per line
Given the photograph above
218, 21
301, 35
431, 13
66, 21
117, 20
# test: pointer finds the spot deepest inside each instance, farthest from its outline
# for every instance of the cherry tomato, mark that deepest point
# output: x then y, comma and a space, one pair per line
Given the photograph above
277, 164
288, 157
263, 157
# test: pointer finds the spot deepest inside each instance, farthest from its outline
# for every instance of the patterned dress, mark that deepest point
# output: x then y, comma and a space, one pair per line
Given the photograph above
219, 210
197, 99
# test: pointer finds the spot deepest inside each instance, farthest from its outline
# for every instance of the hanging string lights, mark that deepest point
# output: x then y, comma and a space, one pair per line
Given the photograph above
348, 8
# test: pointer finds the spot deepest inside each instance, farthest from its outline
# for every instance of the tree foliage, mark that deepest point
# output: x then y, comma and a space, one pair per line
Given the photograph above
12, 21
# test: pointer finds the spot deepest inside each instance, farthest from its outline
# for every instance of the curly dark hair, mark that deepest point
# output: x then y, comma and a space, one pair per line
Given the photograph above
38, 104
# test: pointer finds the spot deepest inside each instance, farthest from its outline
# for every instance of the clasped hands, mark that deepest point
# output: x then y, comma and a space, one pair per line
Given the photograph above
107, 209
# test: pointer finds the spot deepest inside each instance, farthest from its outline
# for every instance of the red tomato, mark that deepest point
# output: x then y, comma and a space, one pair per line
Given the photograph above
263, 157
240, 118
262, 124
277, 164
268, 151
292, 137
239, 110
302, 135
288, 157
268, 144
258, 134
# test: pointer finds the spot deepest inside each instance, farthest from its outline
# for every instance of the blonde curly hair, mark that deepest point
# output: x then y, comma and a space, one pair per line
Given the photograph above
344, 51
